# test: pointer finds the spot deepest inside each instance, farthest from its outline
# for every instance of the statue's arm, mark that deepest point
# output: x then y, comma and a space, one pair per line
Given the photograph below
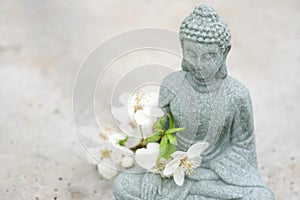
242, 142
166, 94
242, 129
238, 164
203, 174
234, 166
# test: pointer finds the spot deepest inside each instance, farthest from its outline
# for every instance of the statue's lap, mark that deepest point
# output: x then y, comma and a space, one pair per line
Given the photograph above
128, 186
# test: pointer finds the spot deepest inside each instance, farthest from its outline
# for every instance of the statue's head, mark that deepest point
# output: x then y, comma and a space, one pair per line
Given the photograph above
205, 41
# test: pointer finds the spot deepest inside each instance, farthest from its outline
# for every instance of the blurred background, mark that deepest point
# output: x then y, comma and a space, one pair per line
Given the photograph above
42, 44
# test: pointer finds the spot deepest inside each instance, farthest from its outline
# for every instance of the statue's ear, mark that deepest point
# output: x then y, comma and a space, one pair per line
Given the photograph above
226, 51
222, 73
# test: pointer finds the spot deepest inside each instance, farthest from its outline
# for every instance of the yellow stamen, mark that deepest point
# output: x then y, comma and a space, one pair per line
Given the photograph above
138, 107
104, 136
105, 153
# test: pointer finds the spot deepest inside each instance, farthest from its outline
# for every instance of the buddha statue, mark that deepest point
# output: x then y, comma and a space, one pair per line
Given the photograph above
213, 107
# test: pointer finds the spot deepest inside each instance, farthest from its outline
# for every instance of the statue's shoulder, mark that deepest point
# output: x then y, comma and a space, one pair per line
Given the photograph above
235, 89
174, 79
169, 87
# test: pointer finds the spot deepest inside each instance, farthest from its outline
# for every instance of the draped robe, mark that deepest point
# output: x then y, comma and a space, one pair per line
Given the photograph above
229, 168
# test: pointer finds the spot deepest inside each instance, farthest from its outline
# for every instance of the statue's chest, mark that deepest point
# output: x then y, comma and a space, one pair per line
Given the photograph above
192, 109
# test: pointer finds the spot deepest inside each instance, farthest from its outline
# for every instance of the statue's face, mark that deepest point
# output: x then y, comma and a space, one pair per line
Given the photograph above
204, 59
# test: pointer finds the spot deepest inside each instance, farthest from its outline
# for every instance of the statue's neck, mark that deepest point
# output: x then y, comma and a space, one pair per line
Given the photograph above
203, 85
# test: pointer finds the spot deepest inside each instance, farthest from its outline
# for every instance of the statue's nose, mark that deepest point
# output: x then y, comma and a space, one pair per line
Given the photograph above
200, 68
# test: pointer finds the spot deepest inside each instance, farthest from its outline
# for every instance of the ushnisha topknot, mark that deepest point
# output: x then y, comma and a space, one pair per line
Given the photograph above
204, 25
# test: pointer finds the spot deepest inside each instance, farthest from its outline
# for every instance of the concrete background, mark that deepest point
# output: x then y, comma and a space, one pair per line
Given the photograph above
42, 44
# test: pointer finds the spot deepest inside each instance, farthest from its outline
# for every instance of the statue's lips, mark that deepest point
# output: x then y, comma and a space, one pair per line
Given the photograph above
199, 74
198, 71
199, 77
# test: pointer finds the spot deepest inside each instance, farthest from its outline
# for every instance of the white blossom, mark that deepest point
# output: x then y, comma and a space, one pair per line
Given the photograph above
109, 158
138, 109
185, 163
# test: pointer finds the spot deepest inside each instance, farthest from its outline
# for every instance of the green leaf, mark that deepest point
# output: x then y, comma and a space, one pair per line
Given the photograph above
163, 143
172, 139
161, 131
171, 120
162, 121
122, 142
166, 148
169, 150
153, 138
157, 126
173, 130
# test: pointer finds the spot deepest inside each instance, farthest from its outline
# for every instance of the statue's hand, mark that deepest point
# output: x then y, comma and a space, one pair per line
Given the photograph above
203, 174
151, 186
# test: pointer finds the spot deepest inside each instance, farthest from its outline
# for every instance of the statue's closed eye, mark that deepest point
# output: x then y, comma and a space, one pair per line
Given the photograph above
208, 55
191, 53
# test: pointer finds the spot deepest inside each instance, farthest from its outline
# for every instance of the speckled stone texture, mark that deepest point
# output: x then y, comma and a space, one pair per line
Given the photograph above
217, 110
229, 171
43, 43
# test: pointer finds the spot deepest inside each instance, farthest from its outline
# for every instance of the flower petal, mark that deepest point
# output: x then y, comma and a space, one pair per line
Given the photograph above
141, 118
147, 130
122, 150
156, 111
146, 158
116, 137
128, 129
121, 114
130, 111
153, 146
178, 154
132, 141
106, 171
134, 99
124, 98
171, 167
179, 176
127, 161
147, 110
196, 161
150, 98
197, 148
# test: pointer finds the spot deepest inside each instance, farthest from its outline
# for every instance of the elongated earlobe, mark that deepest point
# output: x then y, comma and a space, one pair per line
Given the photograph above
226, 51
185, 65
222, 73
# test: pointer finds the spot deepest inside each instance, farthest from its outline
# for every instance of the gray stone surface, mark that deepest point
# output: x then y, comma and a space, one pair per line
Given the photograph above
213, 107
43, 42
